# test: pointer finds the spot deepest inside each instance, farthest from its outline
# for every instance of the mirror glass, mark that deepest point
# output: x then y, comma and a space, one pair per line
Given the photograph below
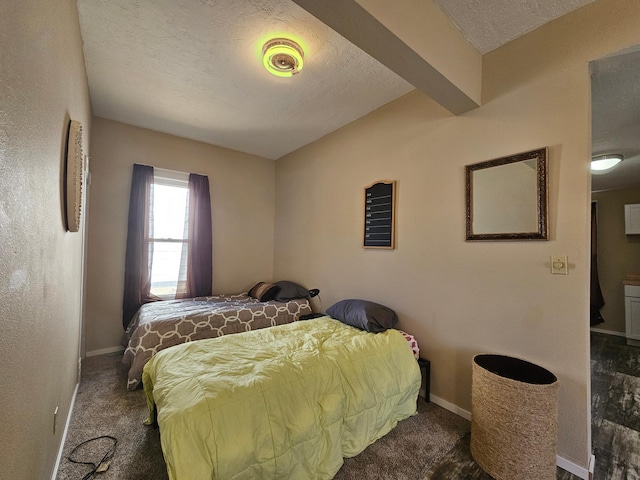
507, 198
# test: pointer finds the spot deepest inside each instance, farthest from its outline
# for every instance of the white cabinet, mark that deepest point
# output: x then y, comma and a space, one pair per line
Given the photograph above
632, 313
632, 219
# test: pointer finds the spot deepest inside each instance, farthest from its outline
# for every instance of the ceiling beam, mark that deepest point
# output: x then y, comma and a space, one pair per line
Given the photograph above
414, 39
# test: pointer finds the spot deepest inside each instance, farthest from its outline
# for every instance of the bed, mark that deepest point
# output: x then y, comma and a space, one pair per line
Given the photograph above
284, 402
160, 325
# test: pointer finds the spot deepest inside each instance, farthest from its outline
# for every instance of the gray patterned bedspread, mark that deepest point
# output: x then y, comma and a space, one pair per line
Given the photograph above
160, 325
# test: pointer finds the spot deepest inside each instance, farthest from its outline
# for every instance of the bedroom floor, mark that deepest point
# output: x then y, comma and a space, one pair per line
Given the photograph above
433, 445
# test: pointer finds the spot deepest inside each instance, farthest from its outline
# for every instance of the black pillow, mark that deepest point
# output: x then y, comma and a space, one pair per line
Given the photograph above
263, 291
290, 291
363, 314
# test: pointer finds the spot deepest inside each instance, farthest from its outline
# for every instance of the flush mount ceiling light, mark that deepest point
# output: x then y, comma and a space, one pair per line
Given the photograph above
605, 162
282, 57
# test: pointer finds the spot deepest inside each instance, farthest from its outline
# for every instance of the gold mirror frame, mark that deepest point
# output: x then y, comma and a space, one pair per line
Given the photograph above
540, 202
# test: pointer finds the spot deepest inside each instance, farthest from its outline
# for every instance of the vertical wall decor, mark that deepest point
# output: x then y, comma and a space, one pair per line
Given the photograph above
74, 167
379, 215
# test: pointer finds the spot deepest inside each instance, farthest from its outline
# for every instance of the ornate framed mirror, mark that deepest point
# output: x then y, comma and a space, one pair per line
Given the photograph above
506, 198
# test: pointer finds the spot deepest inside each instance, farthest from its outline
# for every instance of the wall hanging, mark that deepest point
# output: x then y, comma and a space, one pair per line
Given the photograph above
379, 215
73, 176
507, 198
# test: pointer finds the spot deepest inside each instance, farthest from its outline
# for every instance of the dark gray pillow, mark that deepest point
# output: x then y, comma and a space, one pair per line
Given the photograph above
290, 291
363, 314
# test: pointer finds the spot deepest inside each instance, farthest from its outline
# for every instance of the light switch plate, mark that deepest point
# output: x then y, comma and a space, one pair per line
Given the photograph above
559, 265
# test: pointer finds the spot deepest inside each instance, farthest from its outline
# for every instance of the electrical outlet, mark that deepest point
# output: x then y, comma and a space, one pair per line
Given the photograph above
55, 420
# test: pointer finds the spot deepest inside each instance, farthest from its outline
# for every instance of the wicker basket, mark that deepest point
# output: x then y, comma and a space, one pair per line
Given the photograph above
514, 418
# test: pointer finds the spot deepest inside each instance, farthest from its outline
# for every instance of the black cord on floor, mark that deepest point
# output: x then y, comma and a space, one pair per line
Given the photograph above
103, 464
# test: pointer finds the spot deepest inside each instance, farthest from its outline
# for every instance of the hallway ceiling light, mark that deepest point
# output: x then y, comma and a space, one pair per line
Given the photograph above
605, 162
282, 57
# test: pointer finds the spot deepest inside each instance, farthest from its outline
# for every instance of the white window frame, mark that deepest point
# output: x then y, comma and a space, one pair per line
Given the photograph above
173, 179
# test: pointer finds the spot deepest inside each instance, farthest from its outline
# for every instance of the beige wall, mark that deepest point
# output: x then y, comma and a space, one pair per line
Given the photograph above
618, 254
242, 209
42, 86
462, 298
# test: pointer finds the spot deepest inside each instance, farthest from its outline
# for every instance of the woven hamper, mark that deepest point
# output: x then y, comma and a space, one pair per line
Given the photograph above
514, 408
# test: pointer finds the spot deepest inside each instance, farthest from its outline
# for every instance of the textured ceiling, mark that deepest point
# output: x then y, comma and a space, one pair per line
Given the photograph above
616, 117
488, 24
194, 69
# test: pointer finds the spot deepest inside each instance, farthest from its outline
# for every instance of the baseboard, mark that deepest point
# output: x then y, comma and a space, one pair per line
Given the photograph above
450, 406
562, 462
104, 351
577, 470
64, 433
608, 332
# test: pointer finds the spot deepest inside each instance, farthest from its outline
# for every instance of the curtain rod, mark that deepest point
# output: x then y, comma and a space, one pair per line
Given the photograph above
176, 171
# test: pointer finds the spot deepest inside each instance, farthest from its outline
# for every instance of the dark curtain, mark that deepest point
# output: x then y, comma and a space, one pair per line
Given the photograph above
597, 300
137, 268
199, 262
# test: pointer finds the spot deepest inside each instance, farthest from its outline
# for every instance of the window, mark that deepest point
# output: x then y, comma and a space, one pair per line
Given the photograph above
178, 229
168, 233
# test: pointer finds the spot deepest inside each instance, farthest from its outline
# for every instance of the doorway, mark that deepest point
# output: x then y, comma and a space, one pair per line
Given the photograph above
615, 366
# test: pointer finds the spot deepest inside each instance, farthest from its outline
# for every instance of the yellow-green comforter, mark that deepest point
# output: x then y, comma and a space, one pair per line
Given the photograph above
286, 402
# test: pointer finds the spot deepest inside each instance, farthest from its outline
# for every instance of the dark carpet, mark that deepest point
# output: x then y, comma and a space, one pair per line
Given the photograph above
432, 445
